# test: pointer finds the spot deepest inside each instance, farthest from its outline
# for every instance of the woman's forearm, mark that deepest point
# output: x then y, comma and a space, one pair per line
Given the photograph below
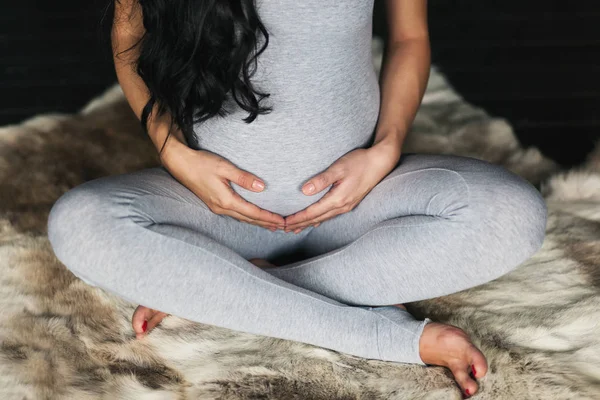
127, 30
403, 81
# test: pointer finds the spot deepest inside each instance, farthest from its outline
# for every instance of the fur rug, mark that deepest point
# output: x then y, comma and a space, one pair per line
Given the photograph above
62, 339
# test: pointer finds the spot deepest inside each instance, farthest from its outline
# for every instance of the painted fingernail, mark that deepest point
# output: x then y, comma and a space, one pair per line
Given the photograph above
309, 188
473, 369
468, 392
144, 326
258, 185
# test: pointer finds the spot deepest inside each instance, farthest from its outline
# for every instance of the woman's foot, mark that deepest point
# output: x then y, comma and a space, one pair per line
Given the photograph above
444, 345
145, 319
451, 347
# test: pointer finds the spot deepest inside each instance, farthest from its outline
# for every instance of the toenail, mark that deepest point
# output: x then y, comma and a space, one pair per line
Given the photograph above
144, 326
473, 369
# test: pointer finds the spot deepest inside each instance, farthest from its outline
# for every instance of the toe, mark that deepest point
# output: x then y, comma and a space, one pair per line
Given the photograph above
478, 363
156, 319
461, 374
139, 320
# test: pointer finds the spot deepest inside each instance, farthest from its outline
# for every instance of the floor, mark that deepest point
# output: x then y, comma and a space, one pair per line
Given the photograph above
535, 63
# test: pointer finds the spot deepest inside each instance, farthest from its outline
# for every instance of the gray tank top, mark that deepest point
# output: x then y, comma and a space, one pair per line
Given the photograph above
325, 95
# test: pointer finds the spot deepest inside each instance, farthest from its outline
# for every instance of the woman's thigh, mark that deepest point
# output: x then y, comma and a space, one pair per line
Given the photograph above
435, 225
425, 187
153, 198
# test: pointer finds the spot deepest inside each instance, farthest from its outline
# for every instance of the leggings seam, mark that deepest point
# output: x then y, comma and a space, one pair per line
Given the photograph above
433, 168
139, 197
396, 324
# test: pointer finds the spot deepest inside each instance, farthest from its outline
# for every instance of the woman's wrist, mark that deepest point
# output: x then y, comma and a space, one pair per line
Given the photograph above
387, 148
174, 152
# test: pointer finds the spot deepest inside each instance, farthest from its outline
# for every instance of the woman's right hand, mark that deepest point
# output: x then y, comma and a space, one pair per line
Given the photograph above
208, 176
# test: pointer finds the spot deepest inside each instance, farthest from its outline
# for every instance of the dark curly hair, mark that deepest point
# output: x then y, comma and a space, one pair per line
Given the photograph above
191, 56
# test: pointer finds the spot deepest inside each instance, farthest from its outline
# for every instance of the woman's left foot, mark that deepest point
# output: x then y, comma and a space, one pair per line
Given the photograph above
145, 319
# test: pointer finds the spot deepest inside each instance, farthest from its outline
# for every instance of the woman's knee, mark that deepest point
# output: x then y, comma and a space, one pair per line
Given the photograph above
90, 205
508, 212
65, 215
529, 216
74, 219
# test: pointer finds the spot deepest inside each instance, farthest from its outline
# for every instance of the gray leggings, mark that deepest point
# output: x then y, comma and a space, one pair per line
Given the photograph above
437, 224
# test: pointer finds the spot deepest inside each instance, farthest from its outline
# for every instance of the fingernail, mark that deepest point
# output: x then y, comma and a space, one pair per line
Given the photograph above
258, 185
467, 392
473, 369
297, 230
309, 188
144, 326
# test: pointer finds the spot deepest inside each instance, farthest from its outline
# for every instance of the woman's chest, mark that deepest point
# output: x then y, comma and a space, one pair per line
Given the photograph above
315, 16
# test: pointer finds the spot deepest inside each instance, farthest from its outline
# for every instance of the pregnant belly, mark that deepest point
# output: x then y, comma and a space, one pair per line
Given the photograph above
325, 98
310, 127
285, 155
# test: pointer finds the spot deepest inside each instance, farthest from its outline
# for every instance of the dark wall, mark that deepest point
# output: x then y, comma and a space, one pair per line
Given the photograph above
534, 62
51, 56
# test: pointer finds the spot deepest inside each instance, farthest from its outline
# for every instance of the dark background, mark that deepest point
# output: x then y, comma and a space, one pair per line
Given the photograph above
535, 62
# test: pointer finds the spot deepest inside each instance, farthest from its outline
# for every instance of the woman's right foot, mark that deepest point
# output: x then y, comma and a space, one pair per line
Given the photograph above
451, 347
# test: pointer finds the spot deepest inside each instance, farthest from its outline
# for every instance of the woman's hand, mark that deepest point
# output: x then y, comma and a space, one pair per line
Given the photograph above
352, 177
209, 175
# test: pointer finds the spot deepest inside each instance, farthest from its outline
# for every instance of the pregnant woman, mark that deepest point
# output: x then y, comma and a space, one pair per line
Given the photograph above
284, 205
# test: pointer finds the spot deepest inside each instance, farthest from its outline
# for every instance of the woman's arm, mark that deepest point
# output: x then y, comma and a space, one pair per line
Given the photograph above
404, 74
206, 174
127, 30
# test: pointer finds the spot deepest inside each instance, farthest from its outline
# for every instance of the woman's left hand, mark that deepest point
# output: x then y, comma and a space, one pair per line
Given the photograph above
352, 177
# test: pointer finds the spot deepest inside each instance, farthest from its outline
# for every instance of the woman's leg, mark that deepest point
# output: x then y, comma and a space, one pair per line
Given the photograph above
437, 224
148, 239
